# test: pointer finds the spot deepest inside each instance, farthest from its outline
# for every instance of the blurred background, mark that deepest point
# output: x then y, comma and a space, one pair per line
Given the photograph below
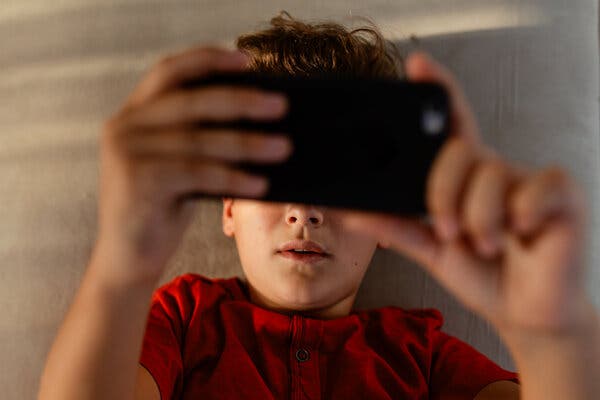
530, 69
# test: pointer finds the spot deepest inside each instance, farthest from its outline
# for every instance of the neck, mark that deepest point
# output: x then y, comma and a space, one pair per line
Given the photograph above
340, 308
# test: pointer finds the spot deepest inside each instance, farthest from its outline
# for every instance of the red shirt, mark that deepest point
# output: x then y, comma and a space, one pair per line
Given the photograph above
205, 340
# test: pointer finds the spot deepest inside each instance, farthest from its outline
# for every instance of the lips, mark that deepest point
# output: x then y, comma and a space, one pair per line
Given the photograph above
308, 258
306, 245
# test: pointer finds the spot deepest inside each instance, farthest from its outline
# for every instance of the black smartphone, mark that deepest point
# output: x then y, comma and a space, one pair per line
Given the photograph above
359, 143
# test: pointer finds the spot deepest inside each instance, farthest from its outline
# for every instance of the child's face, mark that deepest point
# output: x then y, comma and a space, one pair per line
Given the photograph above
325, 289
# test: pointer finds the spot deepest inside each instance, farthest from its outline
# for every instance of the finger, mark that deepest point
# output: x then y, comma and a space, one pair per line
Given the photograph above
216, 144
545, 194
215, 103
472, 280
175, 69
408, 236
181, 176
420, 66
484, 206
446, 183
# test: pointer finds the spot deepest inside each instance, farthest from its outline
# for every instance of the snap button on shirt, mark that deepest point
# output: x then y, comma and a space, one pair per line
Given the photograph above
302, 355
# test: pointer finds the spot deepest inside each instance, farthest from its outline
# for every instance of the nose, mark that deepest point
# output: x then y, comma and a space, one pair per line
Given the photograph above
304, 214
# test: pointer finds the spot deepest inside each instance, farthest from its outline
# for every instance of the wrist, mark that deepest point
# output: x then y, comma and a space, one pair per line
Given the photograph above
561, 365
116, 269
582, 329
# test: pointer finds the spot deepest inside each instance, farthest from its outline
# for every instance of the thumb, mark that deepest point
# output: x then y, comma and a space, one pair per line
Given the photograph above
411, 237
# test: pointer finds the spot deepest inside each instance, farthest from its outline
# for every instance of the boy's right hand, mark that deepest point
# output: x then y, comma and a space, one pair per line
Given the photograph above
151, 154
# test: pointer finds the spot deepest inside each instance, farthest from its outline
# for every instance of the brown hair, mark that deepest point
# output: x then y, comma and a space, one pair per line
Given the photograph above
297, 48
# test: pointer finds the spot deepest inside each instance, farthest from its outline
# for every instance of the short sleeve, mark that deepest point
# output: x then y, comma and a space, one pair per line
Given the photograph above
163, 339
458, 370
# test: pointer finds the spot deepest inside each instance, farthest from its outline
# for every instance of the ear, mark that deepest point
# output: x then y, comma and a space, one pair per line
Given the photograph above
227, 216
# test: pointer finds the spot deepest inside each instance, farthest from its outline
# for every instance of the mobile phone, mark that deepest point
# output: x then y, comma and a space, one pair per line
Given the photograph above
358, 143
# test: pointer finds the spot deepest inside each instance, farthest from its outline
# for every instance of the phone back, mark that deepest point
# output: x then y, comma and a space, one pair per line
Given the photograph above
361, 143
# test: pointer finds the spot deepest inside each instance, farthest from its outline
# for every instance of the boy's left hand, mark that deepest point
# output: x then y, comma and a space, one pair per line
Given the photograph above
518, 257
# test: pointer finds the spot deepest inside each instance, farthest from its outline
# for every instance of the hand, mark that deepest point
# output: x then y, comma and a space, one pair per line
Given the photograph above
152, 155
517, 257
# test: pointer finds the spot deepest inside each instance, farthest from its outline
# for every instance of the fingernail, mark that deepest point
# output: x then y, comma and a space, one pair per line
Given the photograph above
278, 145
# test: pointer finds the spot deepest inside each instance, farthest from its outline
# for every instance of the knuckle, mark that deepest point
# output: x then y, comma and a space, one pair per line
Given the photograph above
164, 64
111, 125
117, 123
117, 140
163, 70
109, 137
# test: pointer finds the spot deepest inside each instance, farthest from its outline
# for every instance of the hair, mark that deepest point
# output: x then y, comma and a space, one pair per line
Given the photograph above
297, 48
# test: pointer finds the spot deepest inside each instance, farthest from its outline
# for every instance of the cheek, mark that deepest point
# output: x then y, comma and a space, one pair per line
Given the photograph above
256, 239
356, 244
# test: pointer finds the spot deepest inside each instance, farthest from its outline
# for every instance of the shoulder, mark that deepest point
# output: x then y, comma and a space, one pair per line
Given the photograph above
416, 328
191, 289
197, 282
417, 319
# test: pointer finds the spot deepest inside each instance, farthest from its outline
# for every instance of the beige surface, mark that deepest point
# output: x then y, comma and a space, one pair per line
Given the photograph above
530, 69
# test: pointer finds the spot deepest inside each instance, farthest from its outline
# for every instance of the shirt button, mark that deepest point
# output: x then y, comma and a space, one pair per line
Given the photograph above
302, 355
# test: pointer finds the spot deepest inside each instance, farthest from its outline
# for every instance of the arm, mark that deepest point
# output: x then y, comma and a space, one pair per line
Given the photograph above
145, 386
499, 390
147, 164
561, 366
95, 354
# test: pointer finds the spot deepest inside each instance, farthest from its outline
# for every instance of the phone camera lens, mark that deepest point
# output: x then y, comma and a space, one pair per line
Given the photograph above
432, 121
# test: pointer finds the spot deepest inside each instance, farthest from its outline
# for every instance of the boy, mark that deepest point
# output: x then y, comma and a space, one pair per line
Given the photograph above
288, 330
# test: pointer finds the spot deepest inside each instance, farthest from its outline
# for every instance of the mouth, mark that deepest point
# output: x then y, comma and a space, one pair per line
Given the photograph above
305, 256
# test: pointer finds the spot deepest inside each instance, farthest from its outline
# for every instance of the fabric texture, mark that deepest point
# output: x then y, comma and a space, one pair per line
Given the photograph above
205, 339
